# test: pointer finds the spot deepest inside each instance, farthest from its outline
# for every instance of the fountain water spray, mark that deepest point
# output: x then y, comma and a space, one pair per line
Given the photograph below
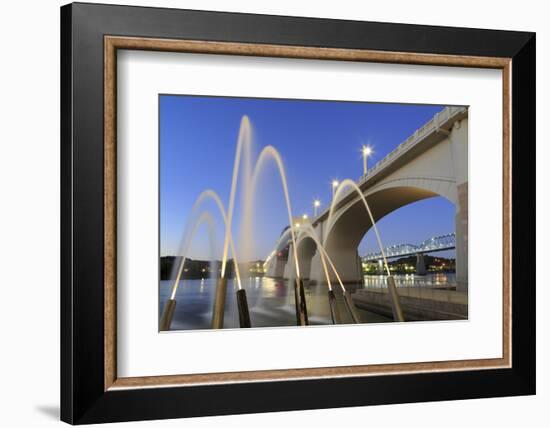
394, 296
244, 146
269, 152
219, 304
310, 232
205, 195
170, 305
243, 149
243, 142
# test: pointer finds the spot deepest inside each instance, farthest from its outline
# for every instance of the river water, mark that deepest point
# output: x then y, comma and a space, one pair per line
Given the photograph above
271, 301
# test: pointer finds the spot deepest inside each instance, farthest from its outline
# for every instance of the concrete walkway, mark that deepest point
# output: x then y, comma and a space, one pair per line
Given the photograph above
429, 293
418, 303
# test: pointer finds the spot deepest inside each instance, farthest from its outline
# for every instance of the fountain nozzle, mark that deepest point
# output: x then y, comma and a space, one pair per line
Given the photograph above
167, 315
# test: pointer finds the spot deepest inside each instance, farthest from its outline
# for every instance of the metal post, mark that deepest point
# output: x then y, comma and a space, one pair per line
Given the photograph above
394, 299
167, 315
219, 303
297, 302
302, 306
335, 315
351, 308
242, 305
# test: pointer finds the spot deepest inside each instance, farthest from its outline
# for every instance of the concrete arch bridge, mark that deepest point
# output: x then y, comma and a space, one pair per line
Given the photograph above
431, 162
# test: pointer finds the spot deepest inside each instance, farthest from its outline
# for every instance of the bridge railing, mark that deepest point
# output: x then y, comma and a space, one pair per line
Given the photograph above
429, 127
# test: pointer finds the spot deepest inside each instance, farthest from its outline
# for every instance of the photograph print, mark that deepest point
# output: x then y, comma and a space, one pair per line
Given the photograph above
294, 213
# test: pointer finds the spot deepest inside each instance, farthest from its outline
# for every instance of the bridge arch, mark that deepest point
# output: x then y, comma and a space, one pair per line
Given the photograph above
306, 250
351, 221
351, 218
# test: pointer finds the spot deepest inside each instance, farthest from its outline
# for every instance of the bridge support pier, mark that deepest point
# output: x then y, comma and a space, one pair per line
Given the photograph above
276, 268
461, 225
420, 264
346, 261
459, 154
290, 269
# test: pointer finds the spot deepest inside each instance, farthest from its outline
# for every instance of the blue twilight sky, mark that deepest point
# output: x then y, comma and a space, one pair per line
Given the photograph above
318, 141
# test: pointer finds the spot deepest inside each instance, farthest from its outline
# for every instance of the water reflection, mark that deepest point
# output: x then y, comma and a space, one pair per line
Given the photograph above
271, 301
432, 280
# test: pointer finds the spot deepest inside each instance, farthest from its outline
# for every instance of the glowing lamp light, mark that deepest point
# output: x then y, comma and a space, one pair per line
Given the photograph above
367, 151
316, 205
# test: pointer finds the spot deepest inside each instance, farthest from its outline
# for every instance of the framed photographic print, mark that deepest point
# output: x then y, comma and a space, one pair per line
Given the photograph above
273, 213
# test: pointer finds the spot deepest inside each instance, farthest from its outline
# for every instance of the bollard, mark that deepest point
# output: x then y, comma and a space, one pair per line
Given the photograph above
297, 303
167, 314
335, 315
394, 300
302, 306
242, 305
351, 308
219, 304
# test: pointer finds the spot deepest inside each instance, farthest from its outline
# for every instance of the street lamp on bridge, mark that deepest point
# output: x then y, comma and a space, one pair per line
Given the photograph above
316, 205
367, 151
335, 184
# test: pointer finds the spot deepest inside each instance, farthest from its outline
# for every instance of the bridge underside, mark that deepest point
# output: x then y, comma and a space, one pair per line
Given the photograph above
352, 224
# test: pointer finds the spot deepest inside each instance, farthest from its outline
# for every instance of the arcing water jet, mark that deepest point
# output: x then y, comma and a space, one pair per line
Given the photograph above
269, 152
219, 304
170, 305
394, 296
